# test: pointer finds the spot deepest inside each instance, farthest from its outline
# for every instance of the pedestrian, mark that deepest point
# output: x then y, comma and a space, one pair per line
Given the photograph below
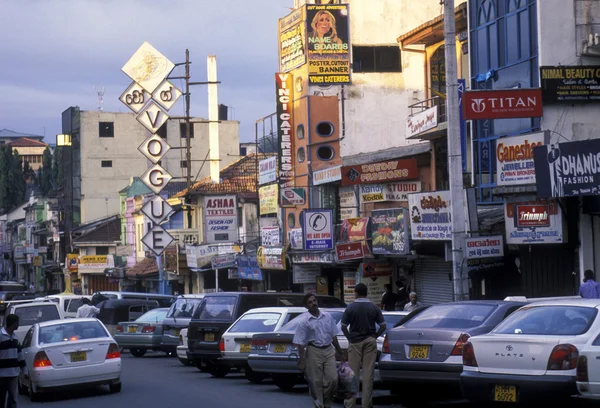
403, 298
414, 304
315, 336
590, 289
389, 298
358, 324
11, 362
87, 310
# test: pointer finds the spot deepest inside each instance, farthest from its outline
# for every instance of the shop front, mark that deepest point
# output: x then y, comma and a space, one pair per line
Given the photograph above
91, 271
205, 277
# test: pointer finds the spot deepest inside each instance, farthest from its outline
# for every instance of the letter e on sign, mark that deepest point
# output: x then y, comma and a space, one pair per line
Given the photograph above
157, 240
154, 148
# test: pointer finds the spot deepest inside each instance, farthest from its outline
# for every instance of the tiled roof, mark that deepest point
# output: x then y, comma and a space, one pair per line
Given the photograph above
4, 133
147, 266
26, 142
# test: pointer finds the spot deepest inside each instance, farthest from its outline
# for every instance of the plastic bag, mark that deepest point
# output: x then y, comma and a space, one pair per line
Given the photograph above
347, 382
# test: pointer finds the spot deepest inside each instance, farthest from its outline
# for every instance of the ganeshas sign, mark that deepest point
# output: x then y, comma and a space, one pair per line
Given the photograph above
514, 159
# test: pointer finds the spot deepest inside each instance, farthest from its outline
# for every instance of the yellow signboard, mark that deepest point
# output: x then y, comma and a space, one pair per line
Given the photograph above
292, 41
271, 258
72, 262
268, 199
93, 261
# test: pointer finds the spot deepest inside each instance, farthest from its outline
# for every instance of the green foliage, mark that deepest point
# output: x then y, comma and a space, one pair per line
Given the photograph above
12, 179
45, 173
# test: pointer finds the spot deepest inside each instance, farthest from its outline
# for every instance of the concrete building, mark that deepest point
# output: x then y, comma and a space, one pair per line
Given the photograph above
30, 151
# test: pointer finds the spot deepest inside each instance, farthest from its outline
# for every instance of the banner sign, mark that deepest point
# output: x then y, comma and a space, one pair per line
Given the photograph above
390, 231
568, 169
544, 233
292, 47
295, 238
271, 258
348, 204
305, 273
373, 270
373, 193
392, 170
328, 41
514, 159
267, 196
357, 229
248, 268
349, 285
349, 251
93, 262
569, 84
430, 216
318, 229
284, 88
267, 170
328, 175
223, 261
269, 236
421, 122
319, 258
502, 104
484, 247
72, 262
220, 218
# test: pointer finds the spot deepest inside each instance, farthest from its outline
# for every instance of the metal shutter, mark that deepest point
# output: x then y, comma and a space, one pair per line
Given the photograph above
431, 281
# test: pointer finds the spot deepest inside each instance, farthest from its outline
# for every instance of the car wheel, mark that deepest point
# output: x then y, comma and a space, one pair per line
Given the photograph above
184, 361
285, 382
253, 376
114, 388
137, 352
219, 371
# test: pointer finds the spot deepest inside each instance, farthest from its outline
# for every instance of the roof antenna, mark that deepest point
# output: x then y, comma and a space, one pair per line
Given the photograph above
100, 98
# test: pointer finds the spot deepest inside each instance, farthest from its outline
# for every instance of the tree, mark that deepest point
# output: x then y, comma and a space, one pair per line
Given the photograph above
45, 173
5, 161
57, 167
16, 180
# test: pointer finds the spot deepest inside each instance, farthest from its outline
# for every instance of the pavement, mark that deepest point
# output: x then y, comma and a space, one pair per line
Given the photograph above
156, 380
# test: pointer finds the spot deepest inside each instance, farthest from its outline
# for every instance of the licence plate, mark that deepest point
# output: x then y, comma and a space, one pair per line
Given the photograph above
132, 329
419, 352
209, 337
244, 348
78, 356
505, 393
279, 348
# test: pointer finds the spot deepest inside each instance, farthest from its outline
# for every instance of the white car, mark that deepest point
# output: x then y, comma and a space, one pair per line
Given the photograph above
68, 303
31, 313
532, 355
235, 342
182, 348
61, 354
588, 369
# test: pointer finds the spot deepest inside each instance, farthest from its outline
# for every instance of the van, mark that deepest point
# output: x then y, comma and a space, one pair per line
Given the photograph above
219, 310
163, 300
113, 311
178, 318
68, 303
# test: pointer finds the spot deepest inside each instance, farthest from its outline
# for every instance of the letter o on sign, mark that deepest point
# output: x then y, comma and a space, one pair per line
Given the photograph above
155, 148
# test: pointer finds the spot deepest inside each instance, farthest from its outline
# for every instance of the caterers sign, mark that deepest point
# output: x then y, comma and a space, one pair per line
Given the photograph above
430, 215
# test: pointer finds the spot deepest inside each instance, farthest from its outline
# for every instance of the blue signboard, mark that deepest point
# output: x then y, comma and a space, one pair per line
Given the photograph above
318, 230
248, 268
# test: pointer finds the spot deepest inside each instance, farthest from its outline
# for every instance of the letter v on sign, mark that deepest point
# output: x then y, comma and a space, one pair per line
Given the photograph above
152, 117
157, 209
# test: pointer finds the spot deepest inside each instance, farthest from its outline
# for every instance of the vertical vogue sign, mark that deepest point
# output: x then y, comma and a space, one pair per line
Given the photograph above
568, 169
220, 218
514, 159
502, 104
430, 215
284, 88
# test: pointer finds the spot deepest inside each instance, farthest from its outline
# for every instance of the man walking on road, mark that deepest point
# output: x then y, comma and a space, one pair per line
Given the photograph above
361, 316
87, 310
11, 361
314, 337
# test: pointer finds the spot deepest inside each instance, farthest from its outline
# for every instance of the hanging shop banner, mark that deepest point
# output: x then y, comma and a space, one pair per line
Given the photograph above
373, 173
357, 230
389, 231
292, 47
350, 279
72, 262
373, 269
328, 175
306, 273
269, 236
220, 218
502, 104
247, 268
568, 169
315, 258
484, 247
421, 122
295, 238
223, 261
533, 222
349, 251
514, 159
328, 41
318, 229
199, 256
569, 84
430, 216
348, 204
267, 170
284, 94
267, 196
271, 258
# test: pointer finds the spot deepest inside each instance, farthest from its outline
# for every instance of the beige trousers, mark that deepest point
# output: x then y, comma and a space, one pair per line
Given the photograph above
321, 372
365, 354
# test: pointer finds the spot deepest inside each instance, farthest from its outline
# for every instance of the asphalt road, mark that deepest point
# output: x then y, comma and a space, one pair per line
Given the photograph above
159, 381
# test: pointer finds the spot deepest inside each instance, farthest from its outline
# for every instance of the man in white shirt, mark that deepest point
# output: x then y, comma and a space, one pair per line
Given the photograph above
414, 304
87, 310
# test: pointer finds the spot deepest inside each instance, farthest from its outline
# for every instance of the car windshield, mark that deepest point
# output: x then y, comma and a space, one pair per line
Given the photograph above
71, 331
256, 323
292, 325
548, 320
449, 316
390, 321
216, 308
183, 308
153, 316
31, 315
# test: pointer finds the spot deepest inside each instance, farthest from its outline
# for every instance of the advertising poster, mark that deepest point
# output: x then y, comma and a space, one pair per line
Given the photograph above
349, 284
514, 159
269, 236
328, 43
570, 84
292, 47
220, 218
267, 196
533, 222
284, 95
390, 231
430, 216
318, 229
271, 258
248, 268
267, 170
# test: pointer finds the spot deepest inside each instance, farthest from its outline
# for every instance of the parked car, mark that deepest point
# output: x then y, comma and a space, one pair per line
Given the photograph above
114, 311
30, 313
235, 342
178, 318
183, 347
61, 354
274, 354
588, 369
532, 355
163, 300
143, 334
219, 310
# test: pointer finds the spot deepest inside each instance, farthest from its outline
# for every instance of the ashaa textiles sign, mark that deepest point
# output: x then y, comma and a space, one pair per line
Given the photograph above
502, 104
220, 218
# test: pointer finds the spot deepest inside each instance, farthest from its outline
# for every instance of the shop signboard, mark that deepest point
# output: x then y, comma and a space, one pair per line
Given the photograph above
295, 238
570, 84
284, 95
389, 231
381, 172
267, 170
376, 287
93, 262
357, 230
220, 216
349, 251
316, 258
328, 175
514, 159
374, 269
318, 229
484, 247
271, 258
222, 261
430, 216
292, 46
248, 268
348, 204
349, 285
267, 196
72, 262
421, 122
545, 227
502, 104
305, 273
269, 236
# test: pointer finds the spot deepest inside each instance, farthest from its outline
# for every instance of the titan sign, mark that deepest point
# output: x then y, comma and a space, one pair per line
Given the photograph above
285, 96
502, 104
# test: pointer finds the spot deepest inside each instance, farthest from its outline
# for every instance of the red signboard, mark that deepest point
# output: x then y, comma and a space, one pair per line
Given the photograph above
382, 172
349, 251
532, 216
354, 229
502, 104
371, 270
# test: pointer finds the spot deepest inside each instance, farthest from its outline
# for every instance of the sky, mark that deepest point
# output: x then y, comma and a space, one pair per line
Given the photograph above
55, 54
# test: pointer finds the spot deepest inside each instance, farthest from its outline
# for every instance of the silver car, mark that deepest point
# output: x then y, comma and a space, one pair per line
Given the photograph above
143, 334
178, 318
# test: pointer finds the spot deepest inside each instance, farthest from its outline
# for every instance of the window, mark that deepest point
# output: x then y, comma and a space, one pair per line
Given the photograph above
325, 153
291, 220
301, 154
71, 331
437, 68
324, 129
27, 339
101, 250
243, 150
31, 315
182, 130
106, 163
74, 304
183, 164
216, 308
381, 58
451, 317
549, 320
106, 129
300, 132
256, 323
162, 131
153, 316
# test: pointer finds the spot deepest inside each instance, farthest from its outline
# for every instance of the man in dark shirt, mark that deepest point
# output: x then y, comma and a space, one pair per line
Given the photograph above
358, 325
389, 299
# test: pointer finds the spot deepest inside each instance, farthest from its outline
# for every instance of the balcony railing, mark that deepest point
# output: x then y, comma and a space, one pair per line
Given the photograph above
425, 104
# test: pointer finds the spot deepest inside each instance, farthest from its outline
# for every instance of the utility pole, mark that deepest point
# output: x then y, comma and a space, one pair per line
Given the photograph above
454, 153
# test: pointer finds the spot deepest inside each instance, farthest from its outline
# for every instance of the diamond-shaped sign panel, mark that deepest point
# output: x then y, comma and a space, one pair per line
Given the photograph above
148, 67
166, 95
157, 240
152, 117
157, 209
156, 178
154, 148
135, 97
